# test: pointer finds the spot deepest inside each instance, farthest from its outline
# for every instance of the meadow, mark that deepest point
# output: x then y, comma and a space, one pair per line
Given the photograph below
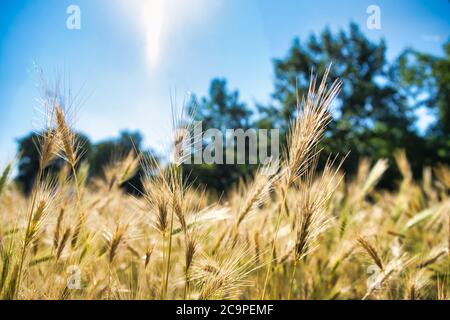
297, 233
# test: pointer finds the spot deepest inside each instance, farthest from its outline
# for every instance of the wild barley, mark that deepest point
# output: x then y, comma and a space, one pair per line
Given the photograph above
416, 285
43, 198
371, 251
256, 194
78, 227
166, 193
311, 219
443, 174
432, 257
48, 148
120, 171
58, 227
62, 243
374, 176
211, 244
6, 254
224, 277
403, 165
257, 246
190, 252
66, 139
115, 240
4, 177
148, 254
399, 262
307, 129
305, 133
133, 251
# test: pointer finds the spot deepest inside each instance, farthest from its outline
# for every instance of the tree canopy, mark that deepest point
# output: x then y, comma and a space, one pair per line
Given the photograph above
427, 81
373, 117
98, 155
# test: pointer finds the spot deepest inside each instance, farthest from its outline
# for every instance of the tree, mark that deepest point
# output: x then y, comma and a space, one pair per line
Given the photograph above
427, 80
371, 117
98, 156
29, 159
221, 110
107, 151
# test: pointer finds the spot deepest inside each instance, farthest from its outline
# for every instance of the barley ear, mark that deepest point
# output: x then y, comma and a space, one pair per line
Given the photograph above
370, 249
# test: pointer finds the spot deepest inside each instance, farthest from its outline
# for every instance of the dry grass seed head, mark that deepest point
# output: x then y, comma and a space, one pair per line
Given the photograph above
416, 285
45, 199
62, 243
182, 126
403, 165
115, 239
121, 169
5, 176
191, 250
70, 148
58, 227
371, 251
308, 128
313, 219
374, 176
255, 194
224, 276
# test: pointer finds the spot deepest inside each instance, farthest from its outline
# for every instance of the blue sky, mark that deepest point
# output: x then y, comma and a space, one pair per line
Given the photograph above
130, 56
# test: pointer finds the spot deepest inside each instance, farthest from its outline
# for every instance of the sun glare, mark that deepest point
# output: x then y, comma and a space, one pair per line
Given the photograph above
152, 19
158, 20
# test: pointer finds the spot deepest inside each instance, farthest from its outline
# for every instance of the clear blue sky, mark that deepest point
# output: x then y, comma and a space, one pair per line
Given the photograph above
131, 55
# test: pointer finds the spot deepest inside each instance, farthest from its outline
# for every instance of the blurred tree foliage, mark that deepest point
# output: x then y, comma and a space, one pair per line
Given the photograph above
373, 116
221, 110
107, 151
426, 78
98, 156
29, 158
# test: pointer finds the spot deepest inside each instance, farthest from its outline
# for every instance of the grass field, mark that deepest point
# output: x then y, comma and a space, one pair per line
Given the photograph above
298, 233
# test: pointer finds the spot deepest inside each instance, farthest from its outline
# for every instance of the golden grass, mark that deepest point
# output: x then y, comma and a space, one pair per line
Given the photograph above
295, 234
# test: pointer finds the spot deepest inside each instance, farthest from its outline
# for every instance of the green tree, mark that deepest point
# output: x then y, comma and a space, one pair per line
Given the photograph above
427, 80
28, 165
107, 151
98, 156
371, 116
220, 110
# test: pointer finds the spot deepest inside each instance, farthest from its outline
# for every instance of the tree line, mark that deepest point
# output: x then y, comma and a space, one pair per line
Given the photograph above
374, 116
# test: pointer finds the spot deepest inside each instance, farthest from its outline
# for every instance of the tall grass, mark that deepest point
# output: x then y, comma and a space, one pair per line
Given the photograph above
299, 233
